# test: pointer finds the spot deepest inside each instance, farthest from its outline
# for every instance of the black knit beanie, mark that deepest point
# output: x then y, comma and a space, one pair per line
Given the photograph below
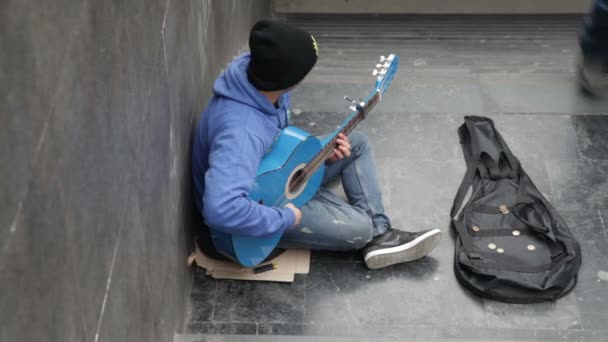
281, 55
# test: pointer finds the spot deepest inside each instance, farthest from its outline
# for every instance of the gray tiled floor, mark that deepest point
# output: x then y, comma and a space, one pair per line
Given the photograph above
484, 67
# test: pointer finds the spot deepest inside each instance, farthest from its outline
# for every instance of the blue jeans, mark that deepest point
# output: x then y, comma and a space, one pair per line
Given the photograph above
328, 222
594, 38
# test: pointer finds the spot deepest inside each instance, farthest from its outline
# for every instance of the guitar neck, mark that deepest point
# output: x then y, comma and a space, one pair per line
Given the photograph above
347, 127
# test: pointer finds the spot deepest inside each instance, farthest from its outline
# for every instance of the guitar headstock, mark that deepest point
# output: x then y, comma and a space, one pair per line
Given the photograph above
385, 71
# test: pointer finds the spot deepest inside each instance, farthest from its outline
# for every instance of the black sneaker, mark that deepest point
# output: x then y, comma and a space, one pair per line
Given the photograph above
593, 76
396, 246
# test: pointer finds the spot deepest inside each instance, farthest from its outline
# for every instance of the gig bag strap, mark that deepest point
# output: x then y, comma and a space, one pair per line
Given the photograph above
465, 238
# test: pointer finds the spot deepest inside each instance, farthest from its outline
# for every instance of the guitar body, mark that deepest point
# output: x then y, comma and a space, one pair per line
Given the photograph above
282, 166
280, 178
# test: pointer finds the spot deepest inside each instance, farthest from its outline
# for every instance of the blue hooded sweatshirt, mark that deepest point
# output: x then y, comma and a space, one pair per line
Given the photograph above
235, 131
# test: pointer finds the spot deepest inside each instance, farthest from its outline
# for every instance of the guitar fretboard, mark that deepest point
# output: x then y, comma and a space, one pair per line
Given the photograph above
322, 155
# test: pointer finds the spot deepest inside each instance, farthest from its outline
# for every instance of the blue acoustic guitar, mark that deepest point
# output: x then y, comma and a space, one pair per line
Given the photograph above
293, 170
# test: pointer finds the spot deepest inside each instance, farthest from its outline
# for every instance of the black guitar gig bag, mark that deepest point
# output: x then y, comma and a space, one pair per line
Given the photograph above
511, 244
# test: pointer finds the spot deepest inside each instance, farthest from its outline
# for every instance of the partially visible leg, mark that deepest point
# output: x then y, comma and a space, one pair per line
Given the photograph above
360, 181
329, 223
593, 70
594, 38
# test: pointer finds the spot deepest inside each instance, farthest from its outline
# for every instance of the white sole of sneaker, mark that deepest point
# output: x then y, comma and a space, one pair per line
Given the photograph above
410, 251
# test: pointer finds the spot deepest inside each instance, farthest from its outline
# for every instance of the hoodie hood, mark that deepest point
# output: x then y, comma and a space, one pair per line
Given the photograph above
234, 85
236, 129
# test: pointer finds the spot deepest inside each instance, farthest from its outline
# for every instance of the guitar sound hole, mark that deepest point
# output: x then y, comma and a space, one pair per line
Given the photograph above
296, 181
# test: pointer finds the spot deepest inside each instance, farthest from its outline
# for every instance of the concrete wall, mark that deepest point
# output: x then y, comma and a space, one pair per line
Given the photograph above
432, 6
97, 107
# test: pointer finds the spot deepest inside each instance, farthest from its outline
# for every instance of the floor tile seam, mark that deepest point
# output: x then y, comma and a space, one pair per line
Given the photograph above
520, 157
466, 113
424, 159
304, 290
214, 301
338, 262
541, 330
580, 159
428, 38
578, 311
195, 291
583, 156
198, 292
590, 291
603, 225
551, 187
221, 322
578, 141
373, 325
207, 295
350, 40
423, 326
487, 315
574, 329
585, 221
316, 324
244, 322
189, 306
569, 179
327, 25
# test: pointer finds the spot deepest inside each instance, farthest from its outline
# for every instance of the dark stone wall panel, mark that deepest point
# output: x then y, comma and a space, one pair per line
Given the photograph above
95, 187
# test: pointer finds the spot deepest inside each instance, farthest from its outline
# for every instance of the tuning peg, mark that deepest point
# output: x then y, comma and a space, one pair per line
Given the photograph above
382, 58
378, 65
375, 72
355, 104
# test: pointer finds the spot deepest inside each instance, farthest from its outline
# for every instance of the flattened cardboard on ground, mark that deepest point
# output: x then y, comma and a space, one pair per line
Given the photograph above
288, 264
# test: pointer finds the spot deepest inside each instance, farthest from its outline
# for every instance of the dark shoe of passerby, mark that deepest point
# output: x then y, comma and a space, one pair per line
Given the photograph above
593, 39
593, 76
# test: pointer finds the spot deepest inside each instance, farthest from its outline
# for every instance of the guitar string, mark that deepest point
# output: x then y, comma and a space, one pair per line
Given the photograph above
300, 180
